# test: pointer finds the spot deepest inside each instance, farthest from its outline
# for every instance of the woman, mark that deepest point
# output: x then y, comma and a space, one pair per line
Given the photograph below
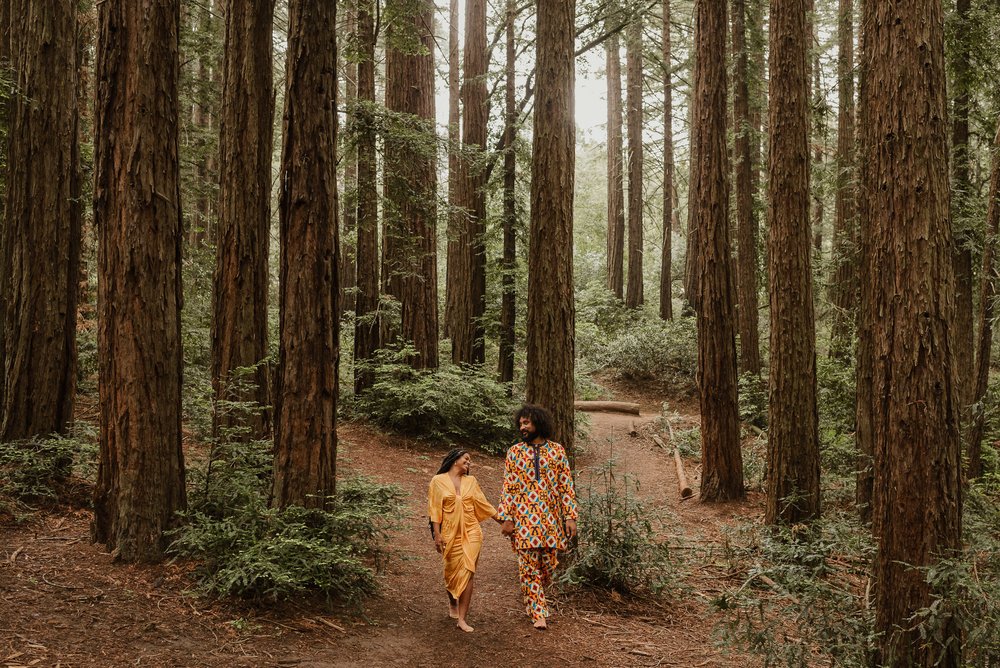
456, 506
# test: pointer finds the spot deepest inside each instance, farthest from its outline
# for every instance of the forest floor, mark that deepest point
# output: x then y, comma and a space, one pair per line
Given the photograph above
63, 602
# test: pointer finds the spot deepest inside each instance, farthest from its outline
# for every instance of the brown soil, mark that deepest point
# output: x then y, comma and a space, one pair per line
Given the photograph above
63, 602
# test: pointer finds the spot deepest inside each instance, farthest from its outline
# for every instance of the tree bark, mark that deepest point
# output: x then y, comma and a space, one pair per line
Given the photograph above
239, 297
793, 493
633, 76
305, 435
367, 327
455, 218
508, 307
551, 310
987, 298
411, 185
909, 296
667, 250
844, 285
819, 157
467, 329
42, 227
140, 479
961, 184
616, 183
349, 198
722, 460
746, 217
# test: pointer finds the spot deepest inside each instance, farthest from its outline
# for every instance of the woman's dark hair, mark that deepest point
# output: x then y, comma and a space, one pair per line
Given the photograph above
540, 418
450, 459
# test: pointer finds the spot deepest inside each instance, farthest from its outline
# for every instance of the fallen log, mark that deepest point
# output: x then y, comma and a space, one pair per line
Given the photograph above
633, 430
607, 407
682, 483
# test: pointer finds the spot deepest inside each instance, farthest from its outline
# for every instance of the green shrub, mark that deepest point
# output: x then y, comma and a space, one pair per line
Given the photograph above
452, 403
836, 389
270, 554
659, 351
618, 547
46, 470
753, 398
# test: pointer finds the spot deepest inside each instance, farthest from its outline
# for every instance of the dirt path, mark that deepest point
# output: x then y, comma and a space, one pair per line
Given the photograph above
62, 601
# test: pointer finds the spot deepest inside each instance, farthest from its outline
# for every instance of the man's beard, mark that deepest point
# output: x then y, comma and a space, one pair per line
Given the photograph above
528, 436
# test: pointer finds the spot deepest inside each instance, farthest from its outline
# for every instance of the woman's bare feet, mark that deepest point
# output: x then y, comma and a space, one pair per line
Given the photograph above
453, 610
540, 624
465, 627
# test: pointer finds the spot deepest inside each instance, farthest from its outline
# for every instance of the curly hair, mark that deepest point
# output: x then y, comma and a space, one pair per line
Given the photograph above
540, 418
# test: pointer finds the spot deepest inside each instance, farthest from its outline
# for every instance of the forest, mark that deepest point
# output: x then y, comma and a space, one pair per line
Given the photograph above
263, 263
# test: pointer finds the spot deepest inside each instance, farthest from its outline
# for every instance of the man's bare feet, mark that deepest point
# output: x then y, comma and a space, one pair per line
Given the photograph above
465, 627
540, 624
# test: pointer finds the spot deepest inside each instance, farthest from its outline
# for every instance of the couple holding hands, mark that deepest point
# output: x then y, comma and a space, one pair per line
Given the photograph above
537, 511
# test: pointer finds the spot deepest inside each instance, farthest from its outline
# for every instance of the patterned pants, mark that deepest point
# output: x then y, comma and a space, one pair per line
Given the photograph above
535, 568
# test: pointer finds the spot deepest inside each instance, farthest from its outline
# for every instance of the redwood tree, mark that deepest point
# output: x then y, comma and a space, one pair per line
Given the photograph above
793, 493
844, 285
666, 254
239, 296
366, 328
41, 233
909, 290
746, 217
140, 478
508, 307
455, 218
468, 276
551, 311
633, 79
722, 460
410, 244
616, 183
305, 436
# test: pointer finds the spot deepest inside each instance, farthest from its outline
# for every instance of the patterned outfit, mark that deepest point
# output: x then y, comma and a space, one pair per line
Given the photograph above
538, 497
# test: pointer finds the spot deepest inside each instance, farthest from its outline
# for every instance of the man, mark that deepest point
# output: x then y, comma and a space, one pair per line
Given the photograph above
537, 506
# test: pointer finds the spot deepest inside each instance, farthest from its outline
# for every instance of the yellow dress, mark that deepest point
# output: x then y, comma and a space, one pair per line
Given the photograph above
459, 516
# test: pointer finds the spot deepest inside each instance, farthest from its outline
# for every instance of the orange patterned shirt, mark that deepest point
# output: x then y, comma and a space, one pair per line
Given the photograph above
538, 495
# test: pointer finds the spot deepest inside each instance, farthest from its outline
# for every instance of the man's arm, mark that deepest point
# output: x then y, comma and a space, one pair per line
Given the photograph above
567, 493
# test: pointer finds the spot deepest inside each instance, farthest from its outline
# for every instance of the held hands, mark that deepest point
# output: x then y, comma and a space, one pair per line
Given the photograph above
508, 528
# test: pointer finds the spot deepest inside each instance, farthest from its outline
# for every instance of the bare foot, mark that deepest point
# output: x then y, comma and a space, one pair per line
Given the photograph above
465, 627
540, 624
453, 611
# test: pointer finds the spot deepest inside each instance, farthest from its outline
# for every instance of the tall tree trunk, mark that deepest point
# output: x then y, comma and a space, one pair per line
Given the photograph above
467, 328
305, 434
455, 217
616, 169
366, 328
793, 493
551, 310
693, 241
910, 286
819, 157
666, 254
844, 284
508, 307
411, 186
239, 297
140, 478
349, 198
42, 224
961, 184
722, 461
633, 76
746, 217
987, 298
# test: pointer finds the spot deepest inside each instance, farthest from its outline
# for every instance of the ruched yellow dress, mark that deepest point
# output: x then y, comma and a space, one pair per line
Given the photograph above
459, 515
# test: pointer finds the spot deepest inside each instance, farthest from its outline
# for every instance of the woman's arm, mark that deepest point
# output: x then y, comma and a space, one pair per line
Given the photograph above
439, 543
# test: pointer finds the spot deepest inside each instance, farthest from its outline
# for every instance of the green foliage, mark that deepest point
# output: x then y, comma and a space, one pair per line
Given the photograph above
270, 554
797, 604
46, 470
753, 398
662, 352
450, 404
618, 549
836, 390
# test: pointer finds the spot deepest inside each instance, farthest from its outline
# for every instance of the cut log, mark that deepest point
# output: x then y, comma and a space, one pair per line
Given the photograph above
633, 429
682, 483
607, 407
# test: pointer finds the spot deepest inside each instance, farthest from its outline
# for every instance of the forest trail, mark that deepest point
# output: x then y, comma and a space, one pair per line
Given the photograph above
63, 603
